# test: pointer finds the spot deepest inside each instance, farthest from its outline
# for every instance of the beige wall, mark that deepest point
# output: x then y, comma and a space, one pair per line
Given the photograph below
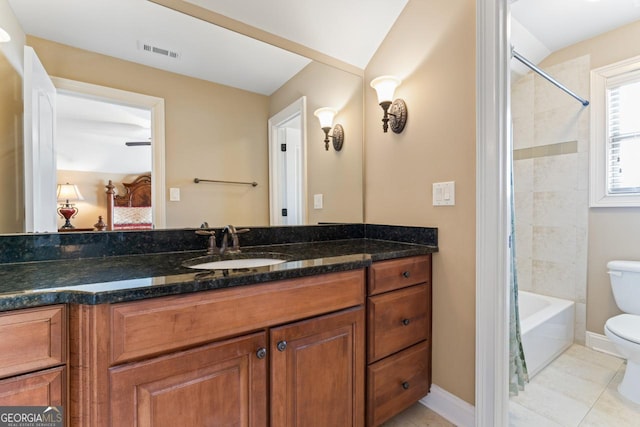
212, 132
11, 105
432, 48
614, 233
335, 174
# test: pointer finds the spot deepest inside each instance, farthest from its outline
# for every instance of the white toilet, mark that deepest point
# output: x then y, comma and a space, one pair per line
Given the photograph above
624, 330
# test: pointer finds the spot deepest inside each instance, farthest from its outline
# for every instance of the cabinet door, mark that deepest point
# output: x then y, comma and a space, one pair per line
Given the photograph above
317, 371
221, 384
42, 388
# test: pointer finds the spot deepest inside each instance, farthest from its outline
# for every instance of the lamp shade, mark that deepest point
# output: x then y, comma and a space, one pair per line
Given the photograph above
4, 36
325, 116
385, 86
69, 192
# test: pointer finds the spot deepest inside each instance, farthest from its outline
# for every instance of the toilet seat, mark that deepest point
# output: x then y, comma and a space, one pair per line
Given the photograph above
625, 326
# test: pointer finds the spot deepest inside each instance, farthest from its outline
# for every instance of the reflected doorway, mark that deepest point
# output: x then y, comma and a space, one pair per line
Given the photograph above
287, 165
126, 123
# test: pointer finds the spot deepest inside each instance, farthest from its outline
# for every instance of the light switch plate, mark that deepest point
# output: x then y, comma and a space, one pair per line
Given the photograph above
444, 193
174, 194
317, 201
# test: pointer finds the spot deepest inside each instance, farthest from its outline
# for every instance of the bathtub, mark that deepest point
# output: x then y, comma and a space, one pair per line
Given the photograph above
546, 326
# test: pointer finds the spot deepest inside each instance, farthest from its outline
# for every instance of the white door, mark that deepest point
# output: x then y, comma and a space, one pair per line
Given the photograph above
39, 146
287, 165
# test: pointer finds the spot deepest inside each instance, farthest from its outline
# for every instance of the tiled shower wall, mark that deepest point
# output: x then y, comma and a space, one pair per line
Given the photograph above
551, 143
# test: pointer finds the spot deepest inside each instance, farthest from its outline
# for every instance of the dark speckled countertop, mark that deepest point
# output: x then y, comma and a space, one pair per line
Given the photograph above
133, 277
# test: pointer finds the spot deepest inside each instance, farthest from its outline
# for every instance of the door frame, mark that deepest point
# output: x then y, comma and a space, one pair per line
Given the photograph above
133, 99
297, 107
493, 145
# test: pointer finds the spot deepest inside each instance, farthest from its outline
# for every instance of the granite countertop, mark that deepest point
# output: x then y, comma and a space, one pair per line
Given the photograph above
133, 277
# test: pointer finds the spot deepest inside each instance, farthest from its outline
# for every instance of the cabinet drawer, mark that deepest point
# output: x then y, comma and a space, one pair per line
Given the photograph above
397, 382
155, 326
386, 276
32, 339
398, 320
42, 388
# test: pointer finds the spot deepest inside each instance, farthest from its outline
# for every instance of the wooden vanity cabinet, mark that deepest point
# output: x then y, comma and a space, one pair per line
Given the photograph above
317, 371
283, 353
33, 356
398, 336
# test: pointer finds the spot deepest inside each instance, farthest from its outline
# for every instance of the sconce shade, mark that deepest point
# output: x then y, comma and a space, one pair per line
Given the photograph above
325, 115
385, 86
68, 192
4, 36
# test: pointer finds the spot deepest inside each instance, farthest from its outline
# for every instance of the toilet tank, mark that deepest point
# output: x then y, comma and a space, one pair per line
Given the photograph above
625, 284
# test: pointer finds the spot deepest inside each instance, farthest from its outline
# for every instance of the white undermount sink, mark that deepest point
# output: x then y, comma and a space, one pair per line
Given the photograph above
240, 261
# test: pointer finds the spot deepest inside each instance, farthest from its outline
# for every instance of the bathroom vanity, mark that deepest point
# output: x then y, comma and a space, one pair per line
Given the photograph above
345, 325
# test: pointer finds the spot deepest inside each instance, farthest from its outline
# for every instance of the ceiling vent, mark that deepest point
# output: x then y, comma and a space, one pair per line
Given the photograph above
148, 47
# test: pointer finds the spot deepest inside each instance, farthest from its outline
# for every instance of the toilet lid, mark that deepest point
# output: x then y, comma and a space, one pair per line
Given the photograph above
626, 326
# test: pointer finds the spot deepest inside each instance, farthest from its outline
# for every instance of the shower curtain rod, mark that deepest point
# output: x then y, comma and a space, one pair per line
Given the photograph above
529, 64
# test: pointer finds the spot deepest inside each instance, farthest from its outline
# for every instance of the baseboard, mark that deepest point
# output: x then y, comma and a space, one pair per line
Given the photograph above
601, 343
451, 407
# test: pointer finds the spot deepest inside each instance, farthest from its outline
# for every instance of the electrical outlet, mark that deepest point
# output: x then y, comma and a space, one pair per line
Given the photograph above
317, 201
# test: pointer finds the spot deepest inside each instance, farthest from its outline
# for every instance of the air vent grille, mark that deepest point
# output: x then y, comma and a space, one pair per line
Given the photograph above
148, 47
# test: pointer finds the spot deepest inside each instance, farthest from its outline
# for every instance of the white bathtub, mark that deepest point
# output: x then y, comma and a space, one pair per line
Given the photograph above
546, 325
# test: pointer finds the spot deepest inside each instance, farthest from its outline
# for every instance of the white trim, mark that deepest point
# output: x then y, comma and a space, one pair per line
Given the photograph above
492, 217
598, 194
297, 107
601, 343
450, 406
156, 105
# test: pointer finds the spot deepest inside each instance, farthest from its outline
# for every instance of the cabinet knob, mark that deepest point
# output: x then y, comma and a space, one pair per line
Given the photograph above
406, 274
261, 353
282, 346
405, 385
406, 322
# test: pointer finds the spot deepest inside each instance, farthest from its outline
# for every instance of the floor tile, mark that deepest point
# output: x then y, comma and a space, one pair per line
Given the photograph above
519, 416
552, 404
418, 415
580, 380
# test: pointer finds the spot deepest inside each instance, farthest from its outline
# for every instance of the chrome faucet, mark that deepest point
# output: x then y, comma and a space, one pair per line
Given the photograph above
235, 242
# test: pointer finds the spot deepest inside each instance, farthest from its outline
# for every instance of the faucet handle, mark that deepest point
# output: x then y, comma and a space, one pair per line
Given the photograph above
206, 232
243, 230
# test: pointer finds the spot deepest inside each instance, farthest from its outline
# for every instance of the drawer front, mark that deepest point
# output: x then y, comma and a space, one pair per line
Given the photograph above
155, 326
42, 388
397, 382
398, 320
32, 339
399, 273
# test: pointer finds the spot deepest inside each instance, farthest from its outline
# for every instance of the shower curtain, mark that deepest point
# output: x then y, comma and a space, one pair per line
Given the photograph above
518, 375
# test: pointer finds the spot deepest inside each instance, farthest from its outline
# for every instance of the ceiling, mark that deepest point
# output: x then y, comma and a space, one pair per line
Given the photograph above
350, 30
541, 27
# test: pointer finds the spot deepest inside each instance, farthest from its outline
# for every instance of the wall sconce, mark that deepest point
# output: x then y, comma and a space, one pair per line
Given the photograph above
4, 36
395, 111
66, 193
325, 116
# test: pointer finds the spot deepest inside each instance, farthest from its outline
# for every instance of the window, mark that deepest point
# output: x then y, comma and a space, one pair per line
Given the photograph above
615, 135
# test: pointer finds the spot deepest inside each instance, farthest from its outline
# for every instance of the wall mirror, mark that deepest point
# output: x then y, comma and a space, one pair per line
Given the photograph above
217, 106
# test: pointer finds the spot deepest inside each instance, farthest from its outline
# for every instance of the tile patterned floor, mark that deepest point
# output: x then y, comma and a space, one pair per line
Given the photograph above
418, 415
578, 389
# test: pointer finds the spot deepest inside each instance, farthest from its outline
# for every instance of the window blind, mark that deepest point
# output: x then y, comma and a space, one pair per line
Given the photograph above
623, 138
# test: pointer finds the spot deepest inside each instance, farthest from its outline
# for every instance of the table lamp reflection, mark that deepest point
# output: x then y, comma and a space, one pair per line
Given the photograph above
68, 193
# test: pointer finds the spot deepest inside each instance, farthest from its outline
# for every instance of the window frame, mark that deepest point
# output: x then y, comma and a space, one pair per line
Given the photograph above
601, 79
